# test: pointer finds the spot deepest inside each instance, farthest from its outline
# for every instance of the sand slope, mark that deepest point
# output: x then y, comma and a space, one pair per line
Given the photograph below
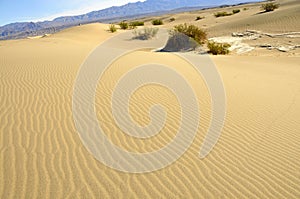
282, 20
42, 155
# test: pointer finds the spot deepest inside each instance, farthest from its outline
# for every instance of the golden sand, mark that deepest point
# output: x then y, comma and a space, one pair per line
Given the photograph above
42, 155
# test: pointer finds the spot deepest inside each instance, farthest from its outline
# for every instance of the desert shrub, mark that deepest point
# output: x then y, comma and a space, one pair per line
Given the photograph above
192, 31
199, 18
218, 48
179, 42
268, 7
136, 23
145, 34
112, 28
246, 9
123, 25
172, 19
222, 14
236, 11
157, 22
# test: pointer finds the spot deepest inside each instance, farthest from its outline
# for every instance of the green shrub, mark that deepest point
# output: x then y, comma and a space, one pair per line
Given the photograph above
157, 22
136, 23
199, 18
246, 9
268, 7
123, 25
192, 31
145, 34
112, 28
236, 11
218, 48
222, 14
172, 19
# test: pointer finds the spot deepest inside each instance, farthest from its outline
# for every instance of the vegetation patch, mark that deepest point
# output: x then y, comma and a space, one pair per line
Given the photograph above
172, 19
192, 31
218, 48
222, 14
179, 42
112, 28
124, 25
157, 22
235, 11
199, 18
136, 23
268, 7
145, 34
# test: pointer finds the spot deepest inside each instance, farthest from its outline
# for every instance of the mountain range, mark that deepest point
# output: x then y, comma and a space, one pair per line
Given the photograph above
128, 11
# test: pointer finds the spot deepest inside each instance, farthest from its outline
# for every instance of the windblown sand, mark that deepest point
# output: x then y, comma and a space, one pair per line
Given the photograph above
42, 155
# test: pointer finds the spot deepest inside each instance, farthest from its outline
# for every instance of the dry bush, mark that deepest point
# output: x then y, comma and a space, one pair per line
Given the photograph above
172, 19
218, 48
236, 11
157, 22
268, 7
123, 25
199, 18
112, 28
134, 24
192, 31
222, 14
145, 34
179, 42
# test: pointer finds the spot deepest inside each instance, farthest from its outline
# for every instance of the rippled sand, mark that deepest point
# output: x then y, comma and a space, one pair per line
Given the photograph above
42, 155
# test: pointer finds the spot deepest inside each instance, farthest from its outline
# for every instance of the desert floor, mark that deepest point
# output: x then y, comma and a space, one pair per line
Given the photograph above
257, 155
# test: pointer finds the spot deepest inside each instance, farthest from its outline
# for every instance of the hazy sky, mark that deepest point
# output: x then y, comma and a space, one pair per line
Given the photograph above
35, 10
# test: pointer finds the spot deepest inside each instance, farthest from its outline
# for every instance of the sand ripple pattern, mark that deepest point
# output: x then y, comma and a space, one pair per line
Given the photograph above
151, 73
42, 156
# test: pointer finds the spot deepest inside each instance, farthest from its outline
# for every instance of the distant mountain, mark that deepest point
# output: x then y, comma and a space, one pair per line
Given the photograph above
21, 30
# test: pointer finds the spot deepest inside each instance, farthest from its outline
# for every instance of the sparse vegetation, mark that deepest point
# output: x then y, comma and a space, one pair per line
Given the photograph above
218, 48
157, 22
136, 23
192, 31
236, 11
199, 18
123, 25
222, 14
179, 42
172, 19
246, 9
268, 7
145, 34
112, 28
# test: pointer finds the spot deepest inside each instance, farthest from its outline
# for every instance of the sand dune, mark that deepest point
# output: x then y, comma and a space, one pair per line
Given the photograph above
42, 155
283, 20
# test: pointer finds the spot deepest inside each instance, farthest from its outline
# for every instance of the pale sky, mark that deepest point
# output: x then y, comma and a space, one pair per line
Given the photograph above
40, 10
